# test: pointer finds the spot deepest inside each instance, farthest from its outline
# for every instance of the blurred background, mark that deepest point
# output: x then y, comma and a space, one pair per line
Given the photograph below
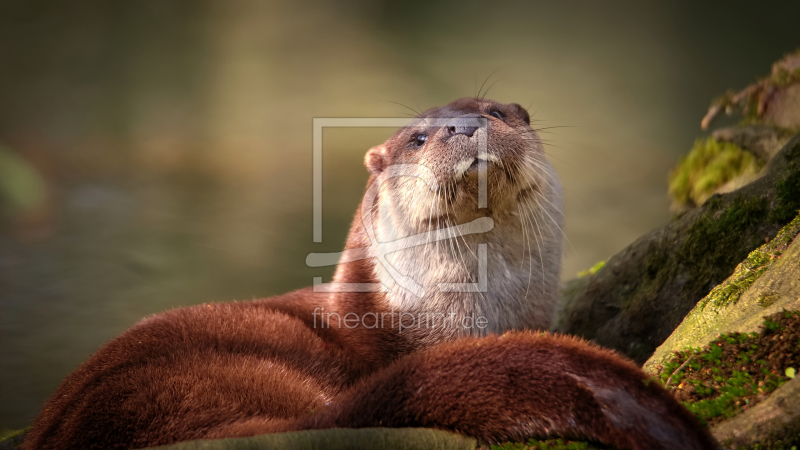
157, 153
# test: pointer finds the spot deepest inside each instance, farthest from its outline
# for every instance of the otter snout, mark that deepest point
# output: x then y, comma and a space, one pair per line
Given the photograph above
466, 125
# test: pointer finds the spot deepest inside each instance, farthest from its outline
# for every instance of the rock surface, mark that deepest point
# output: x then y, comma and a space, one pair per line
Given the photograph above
641, 294
340, 438
778, 288
763, 141
775, 419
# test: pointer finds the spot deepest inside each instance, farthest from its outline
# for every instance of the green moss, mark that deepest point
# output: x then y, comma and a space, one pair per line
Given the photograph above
787, 190
749, 270
767, 299
721, 379
592, 270
550, 444
789, 442
727, 402
709, 165
710, 239
11, 437
744, 276
785, 236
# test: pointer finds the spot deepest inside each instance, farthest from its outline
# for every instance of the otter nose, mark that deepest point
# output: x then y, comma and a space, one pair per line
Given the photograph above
463, 125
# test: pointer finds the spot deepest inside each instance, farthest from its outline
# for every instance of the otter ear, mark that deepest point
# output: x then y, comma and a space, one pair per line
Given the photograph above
522, 113
375, 160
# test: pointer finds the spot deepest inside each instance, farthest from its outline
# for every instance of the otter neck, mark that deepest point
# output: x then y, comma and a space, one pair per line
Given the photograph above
459, 283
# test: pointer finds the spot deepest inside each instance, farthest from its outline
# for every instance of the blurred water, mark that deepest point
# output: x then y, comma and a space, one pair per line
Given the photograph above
175, 138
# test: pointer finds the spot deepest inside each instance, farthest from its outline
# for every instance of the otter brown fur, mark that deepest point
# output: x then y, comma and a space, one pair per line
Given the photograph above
294, 361
439, 189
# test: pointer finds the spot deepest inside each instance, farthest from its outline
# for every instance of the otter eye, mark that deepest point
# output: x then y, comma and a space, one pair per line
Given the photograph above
497, 114
420, 140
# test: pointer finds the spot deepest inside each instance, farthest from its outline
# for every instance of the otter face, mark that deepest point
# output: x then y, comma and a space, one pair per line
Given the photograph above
469, 145
463, 215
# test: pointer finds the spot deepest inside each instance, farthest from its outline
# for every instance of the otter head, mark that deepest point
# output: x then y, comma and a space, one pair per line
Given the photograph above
473, 157
464, 215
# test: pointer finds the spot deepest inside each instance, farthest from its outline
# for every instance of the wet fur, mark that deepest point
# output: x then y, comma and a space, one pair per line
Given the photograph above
246, 368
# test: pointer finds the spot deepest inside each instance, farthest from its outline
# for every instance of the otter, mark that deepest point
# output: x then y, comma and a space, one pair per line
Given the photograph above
436, 317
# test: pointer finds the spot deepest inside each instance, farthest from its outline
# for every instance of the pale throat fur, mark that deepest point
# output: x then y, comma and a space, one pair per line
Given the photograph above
429, 186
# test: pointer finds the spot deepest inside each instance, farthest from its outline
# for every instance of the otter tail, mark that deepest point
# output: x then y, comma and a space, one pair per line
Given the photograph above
516, 387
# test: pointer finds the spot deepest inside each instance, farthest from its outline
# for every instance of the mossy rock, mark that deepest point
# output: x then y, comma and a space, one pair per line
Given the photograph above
767, 282
592, 270
737, 384
731, 157
641, 294
773, 424
550, 444
763, 141
12, 439
711, 167
339, 438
